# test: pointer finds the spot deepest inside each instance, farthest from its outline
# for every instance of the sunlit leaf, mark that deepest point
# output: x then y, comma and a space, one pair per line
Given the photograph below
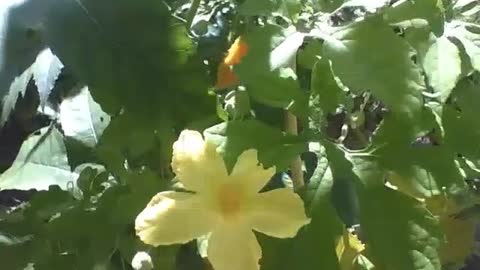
274, 146
41, 162
83, 119
369, 56
442, 65
46, 69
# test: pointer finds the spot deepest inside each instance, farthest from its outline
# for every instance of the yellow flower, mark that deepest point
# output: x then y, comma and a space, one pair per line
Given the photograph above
225, 207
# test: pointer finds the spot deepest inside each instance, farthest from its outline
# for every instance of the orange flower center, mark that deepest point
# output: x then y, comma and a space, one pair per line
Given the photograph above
230, 199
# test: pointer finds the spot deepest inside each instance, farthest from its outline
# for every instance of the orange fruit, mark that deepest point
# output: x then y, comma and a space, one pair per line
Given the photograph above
225, 75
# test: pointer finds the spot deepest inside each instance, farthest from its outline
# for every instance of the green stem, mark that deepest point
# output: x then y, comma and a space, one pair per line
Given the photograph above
192, 12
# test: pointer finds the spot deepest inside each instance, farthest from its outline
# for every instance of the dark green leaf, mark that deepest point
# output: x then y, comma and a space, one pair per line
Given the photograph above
324, 87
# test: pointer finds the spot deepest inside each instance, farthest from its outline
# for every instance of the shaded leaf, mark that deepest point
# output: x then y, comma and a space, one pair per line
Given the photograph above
325, 88
141, 71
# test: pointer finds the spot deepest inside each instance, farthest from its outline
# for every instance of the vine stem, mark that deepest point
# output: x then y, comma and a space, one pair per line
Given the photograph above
291, 127
192, 12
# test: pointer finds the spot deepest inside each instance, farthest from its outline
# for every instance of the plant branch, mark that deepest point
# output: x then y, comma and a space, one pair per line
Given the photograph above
291, 127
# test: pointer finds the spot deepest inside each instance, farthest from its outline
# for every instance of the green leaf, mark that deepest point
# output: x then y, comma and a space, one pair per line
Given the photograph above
41, 162
430, 10
368, 56
264, 70
325, 88
400, 232
460, 123
307, 56
128, 137
318, 237
46, 69
17, 89
274, 147
416, 173
141, 71
443, 66
83, 119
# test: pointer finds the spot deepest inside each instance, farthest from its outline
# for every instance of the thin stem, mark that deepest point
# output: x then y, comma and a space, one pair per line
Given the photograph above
291, 127
192, 12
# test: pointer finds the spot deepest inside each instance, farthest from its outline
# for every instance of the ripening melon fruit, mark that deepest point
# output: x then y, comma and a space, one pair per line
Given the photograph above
225, 76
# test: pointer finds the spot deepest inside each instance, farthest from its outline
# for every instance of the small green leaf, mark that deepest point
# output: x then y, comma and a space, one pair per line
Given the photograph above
443, 66
46, 69
325, 88
83, 119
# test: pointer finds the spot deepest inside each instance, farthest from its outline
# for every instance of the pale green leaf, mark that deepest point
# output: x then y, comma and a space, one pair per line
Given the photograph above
469, 39
83, 119
41, 162
406, 12
17, 89
46, 69
443, 66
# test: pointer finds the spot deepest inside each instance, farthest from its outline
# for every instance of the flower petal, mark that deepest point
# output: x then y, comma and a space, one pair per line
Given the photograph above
250, 172
278, 213
174, 217
196, 162
234, 248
